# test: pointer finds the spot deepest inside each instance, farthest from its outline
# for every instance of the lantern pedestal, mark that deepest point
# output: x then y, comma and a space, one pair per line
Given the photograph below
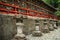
20, 35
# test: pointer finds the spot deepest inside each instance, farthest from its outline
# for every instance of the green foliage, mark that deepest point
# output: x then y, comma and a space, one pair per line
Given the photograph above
52, 2
57, 13
58, 21
58, 4
47, 1
58, 0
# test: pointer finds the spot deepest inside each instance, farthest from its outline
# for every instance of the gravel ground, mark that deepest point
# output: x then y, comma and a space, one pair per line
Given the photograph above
53, 35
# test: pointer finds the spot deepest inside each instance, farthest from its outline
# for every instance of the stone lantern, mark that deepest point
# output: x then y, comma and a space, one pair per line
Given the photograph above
37, 31
55, 24
44, 25
20, 35
51, 28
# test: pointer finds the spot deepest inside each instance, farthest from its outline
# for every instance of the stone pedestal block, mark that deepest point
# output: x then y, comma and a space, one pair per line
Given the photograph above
7, 27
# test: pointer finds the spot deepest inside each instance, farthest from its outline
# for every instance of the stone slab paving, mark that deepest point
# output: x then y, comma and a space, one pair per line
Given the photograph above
53, 35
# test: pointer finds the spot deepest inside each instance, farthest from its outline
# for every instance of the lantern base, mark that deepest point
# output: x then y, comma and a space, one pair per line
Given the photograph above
20, 37
37, 33
51, 28
45, 31
55, 27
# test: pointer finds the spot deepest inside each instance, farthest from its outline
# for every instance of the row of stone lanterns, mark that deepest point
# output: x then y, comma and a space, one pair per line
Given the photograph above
33, 25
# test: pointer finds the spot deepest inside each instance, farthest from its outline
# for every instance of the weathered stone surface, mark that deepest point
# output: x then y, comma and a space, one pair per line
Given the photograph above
55, 24
19, 37
29, 25
44, 26
51, 28
7, 27
37, 33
